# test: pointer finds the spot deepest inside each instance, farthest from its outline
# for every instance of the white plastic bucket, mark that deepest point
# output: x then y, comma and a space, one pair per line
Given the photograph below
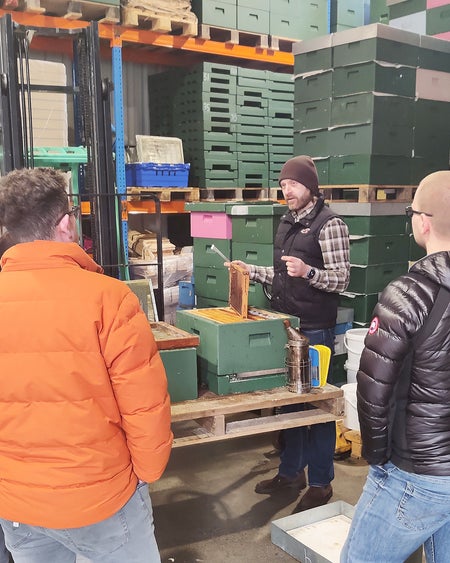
354, 343
351, 412
351, 370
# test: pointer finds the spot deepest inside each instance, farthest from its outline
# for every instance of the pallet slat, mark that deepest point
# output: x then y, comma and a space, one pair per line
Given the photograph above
223, 194
147, 17
165, 194
213, 417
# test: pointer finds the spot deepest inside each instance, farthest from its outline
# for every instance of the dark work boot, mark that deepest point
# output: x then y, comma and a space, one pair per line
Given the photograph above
314, 496
269, 486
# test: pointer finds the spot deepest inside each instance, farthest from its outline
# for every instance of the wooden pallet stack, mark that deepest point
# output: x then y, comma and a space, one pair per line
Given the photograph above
162, 16
104, 11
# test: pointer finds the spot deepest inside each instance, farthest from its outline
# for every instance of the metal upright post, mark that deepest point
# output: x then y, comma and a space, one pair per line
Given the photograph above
120, 149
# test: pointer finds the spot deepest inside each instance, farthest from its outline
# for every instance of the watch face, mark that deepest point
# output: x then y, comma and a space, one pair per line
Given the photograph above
311, 273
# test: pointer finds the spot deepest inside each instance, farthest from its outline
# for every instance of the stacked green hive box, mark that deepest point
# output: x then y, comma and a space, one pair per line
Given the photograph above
346, 14
287, 19
235, 123
253, 230
365, 103
241, 356
379, 252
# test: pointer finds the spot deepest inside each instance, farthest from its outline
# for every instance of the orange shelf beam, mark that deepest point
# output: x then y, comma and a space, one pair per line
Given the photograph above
116, 34
134, 207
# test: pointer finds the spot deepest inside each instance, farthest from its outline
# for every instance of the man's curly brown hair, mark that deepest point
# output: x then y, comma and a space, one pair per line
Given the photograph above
32, 202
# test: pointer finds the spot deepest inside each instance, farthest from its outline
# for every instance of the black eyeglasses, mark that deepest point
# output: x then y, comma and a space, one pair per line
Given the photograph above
410, 212
75, 211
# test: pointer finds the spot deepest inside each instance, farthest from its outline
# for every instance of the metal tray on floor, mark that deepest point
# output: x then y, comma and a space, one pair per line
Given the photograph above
316, 535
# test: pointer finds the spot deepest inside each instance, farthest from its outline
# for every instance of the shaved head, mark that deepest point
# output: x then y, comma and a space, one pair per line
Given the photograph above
433, 197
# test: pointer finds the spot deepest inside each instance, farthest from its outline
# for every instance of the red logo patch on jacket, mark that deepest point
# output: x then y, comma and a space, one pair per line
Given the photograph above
374, 325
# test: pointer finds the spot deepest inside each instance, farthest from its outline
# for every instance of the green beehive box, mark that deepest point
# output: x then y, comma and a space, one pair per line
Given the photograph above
212, 282
207, 303
370, 107
257, 297
431, 115
317, 86
338, 374
323, 170
374, 278
422, 166
377, 249
314, 143
362, 304
312, 115
253, 253
253, 20
376, 43
181, 370
416, 252
406, 7
237, 347
349, 13
255, 223
379, 12
434, 53
212, 12
205, 257
372, 76
369, 138
376, 224
370, 169
229, 384
313, 54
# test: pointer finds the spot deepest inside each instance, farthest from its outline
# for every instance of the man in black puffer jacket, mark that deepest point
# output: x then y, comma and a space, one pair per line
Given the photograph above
404, 402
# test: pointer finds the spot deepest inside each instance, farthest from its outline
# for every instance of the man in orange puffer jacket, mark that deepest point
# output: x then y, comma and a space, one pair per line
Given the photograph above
85, 413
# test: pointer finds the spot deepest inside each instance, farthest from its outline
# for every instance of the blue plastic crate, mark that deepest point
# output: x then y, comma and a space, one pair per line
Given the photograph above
151, 174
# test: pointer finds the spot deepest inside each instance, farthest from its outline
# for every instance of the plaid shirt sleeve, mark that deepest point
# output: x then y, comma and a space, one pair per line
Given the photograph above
261, 274
335, 244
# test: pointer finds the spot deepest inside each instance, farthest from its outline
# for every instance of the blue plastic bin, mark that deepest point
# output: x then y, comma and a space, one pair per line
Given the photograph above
151, 174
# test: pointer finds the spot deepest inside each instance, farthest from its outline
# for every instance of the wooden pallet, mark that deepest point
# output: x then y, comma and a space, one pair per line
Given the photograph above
212, 418
225, 194
165, 194
354, 437
233, 36
147, 18
282, 44
368, 193
77, 10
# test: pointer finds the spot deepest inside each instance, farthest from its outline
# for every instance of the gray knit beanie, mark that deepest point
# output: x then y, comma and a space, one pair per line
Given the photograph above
303, 170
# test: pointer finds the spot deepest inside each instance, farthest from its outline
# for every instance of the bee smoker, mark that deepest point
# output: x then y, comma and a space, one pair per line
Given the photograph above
298, 365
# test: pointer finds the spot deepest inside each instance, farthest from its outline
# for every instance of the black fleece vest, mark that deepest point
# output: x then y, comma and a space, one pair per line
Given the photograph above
316, 309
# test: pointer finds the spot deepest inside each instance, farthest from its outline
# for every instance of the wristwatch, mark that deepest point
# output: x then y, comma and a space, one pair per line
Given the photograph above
311, 274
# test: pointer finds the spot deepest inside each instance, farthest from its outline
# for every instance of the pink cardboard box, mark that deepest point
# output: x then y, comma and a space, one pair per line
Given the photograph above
210, 225
436, 3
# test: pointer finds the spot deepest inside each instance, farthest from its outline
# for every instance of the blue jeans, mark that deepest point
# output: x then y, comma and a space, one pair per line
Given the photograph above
4, 555
397, 513
128, 535
311, 446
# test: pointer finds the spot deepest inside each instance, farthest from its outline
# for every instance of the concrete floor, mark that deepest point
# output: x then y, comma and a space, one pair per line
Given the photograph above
206, 509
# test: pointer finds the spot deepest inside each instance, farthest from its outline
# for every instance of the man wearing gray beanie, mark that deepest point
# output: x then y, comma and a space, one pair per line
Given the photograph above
310, 268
